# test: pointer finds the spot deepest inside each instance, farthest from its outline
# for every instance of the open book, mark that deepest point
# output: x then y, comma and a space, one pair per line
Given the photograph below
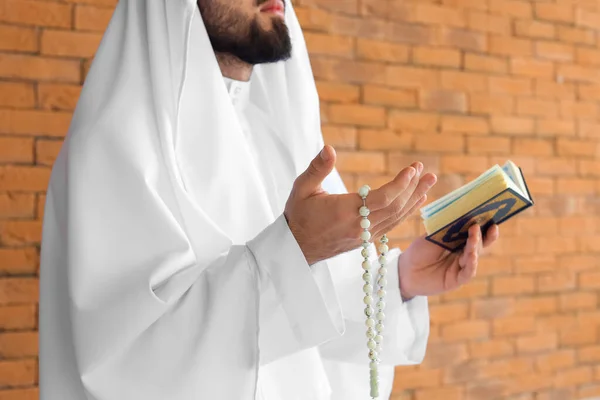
495, 196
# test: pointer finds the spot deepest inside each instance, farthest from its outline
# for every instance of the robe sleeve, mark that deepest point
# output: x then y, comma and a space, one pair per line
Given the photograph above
150, 316
406, 323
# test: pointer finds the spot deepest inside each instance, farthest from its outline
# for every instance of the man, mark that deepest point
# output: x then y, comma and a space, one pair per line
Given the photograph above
198, 242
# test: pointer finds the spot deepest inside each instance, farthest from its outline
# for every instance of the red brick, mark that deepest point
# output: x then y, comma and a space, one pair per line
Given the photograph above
413, 121
488, 145
19, 232
18, 317
507, 367
431, 56
445, 313
18, 372
443, 100
360, 162
554, 361
342, 71
589, 391
575, 186
91, 18
465, 124
412, 77
18, 291
70, 44
439, 143
511, 8
326, 44
512, 125
576, 35
534, 29
484, 22
340, 137
16, 205
589, 354
18, 261
537, 343
555, 51
552, 90
16, 95
531, 68
574, 377
463, 164
39, 68
20, 394
16, 38
484, 63
383, 96
508, 46
475, 289
541, 305
65, 97
469, 82
399, 160
578, 73
340, 6
555, 127
509, 285
38, 13
445, 393
491, 104
569, 147
416, 379
361, 115
470, 329
493, 348
34, 122
556, 166
382, 139
16, 150
537, 107
587, 18
412, 33
435, 14
554, 12
578, 109
515, 86
18, 345
24, 178
556, 281
513, 326
589, 280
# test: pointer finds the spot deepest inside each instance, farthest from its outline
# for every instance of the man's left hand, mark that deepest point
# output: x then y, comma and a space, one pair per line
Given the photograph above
426, 269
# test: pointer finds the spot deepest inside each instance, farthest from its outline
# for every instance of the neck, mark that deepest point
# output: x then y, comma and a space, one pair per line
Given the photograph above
234, 68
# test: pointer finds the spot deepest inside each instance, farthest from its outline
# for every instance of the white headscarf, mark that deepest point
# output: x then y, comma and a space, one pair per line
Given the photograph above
153, 184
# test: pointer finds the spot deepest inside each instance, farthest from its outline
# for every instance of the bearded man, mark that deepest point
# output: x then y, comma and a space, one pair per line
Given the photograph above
198, 242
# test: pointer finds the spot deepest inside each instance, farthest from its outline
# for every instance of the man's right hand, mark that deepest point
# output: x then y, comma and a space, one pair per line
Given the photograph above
326, 225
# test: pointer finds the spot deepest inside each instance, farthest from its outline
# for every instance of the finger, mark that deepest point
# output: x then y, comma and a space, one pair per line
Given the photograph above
491, 235
469, 270
386, 194
389, 224
310, 180
471, 247
399, 207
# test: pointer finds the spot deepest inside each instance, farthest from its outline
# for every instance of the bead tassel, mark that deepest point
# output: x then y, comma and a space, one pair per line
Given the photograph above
373, 307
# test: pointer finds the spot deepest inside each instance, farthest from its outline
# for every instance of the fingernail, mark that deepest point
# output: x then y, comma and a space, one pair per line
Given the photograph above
420, 168
324, 154
412, 172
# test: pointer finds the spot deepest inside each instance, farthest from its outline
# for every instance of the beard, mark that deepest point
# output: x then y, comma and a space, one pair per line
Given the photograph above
231, 31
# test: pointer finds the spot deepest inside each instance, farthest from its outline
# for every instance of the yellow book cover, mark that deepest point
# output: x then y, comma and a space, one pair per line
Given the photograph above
495, 196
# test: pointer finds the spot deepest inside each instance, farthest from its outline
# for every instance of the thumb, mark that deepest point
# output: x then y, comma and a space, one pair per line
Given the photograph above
310, 180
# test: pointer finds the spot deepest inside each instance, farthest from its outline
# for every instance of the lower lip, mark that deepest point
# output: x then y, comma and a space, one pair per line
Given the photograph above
276, 11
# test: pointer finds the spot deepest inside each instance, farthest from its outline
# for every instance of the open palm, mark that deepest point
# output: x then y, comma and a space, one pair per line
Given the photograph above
426, 269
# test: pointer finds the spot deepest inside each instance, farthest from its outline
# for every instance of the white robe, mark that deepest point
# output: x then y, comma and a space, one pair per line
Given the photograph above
167, 269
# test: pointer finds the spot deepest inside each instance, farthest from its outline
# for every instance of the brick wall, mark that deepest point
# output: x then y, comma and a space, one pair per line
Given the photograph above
457, 84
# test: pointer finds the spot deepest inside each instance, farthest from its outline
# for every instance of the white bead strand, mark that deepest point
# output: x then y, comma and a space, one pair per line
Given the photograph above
375, 302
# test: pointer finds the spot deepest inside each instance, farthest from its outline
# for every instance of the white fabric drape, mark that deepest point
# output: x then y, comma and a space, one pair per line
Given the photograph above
167, 269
